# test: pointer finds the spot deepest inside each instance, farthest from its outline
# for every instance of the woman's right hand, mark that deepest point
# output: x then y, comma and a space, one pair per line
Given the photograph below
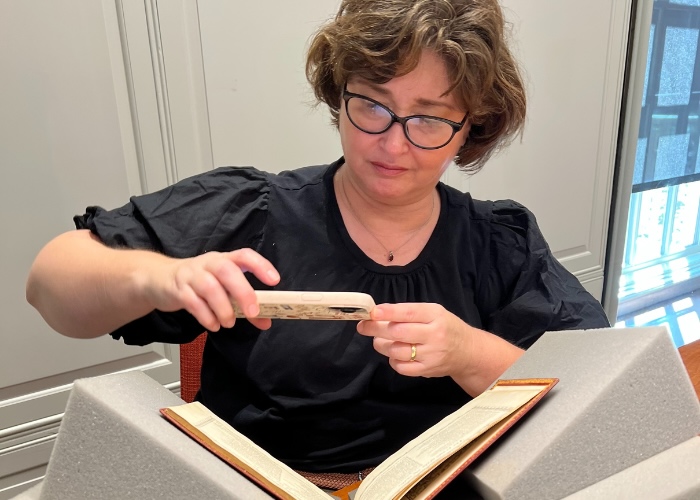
207, 284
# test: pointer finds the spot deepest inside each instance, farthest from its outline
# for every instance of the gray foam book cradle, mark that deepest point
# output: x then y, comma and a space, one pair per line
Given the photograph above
114, 444
623, 422
623, 397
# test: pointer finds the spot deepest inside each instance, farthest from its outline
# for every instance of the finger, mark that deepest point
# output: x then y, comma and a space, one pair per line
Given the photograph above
409, 333
200, 310
382, 346
210, 290
408, 312
408, 368
400, 351
235, 286
370, 328
261, 323
248, 260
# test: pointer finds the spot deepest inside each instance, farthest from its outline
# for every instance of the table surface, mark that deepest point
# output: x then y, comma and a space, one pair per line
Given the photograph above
690, 354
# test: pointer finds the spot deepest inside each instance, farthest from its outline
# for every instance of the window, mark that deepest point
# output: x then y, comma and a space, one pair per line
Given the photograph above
662, 251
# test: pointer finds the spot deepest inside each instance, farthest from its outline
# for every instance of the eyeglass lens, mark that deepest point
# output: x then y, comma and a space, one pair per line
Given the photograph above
373, 118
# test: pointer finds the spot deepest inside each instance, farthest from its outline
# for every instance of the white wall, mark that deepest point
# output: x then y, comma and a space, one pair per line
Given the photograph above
260, 106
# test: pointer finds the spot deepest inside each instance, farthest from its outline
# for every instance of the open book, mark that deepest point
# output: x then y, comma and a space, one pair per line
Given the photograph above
419, 470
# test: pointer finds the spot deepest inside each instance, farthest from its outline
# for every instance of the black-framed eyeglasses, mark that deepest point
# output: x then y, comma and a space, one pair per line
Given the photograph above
423, 131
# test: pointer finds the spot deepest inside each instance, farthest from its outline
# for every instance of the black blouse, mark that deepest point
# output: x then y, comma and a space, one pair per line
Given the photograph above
315, 394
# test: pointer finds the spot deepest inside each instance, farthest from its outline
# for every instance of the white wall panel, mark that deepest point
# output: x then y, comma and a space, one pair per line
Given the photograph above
259, 103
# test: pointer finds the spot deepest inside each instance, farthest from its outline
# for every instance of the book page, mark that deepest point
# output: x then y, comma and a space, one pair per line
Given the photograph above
425, 488
244, 454
393, 477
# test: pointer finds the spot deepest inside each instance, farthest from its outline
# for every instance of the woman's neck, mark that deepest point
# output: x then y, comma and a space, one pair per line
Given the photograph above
406, 213
387, 232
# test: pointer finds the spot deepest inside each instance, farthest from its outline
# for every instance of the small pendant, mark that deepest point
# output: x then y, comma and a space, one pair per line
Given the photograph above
391, 256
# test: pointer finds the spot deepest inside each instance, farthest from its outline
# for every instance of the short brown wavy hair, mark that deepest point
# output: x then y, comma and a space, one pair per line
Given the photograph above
380, 39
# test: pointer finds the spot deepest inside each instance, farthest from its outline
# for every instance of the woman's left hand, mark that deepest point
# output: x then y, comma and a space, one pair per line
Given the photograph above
426, 340
442, 340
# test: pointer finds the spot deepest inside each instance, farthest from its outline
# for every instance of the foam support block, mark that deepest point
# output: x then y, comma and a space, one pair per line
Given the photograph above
675, 473
623, 397
114, 444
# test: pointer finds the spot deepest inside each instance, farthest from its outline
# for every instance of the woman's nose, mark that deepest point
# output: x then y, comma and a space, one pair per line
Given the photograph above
395, 140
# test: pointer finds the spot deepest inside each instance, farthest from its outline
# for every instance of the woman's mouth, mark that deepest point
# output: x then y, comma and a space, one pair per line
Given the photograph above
387, 168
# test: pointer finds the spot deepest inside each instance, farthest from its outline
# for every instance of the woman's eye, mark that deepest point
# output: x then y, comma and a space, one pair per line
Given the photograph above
427, 123
372, 107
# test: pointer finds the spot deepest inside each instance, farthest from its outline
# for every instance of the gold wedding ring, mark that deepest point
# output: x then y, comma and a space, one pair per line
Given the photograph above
413, 352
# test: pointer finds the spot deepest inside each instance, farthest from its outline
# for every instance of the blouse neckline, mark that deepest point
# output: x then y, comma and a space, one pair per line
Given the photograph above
357, 253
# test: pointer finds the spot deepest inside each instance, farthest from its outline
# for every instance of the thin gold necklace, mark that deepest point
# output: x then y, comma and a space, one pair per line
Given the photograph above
390, 253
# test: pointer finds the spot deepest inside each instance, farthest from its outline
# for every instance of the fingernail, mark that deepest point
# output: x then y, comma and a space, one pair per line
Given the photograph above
253, 310
376, 313
274, 275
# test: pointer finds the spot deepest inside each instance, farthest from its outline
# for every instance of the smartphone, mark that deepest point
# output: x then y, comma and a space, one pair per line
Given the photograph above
282, 304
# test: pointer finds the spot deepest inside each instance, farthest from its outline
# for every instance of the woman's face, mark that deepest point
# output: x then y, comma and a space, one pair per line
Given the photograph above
388, 167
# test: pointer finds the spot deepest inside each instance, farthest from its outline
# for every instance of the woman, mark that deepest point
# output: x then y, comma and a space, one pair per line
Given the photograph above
463, 286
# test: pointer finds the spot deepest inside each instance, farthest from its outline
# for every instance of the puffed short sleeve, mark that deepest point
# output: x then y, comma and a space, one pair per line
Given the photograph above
540, 294
221, 210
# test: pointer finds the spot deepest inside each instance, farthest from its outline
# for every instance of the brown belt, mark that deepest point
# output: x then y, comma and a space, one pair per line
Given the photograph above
334, 480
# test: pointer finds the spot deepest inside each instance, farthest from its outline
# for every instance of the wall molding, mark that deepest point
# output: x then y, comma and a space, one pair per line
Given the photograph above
620, 200
157, 48
160, 84
141, 66
588, 260
609, 132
